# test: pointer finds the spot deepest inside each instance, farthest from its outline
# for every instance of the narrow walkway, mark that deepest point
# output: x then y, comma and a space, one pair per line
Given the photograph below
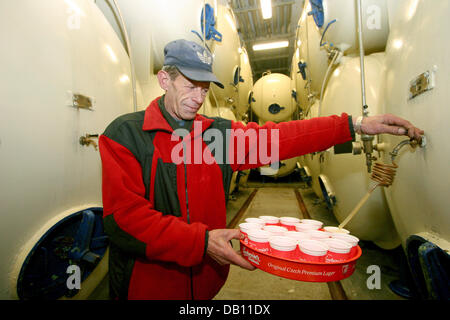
257, 284
280, 200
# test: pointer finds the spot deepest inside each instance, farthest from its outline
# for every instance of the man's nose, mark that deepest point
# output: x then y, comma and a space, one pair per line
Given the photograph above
199, 97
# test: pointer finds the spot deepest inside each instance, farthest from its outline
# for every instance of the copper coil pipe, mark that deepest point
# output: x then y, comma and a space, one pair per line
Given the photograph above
384, 173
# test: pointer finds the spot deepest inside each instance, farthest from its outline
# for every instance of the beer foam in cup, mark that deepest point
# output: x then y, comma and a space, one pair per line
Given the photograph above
348, 238
246, 226
275, 230
318, 223
289, 222
339, 250
317, 235
312, 250
282, 246
297, 235
271, 220
336, 230
255, 220
303, 227
259, 239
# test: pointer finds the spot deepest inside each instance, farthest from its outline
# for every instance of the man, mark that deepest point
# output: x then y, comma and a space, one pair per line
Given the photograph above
166, 218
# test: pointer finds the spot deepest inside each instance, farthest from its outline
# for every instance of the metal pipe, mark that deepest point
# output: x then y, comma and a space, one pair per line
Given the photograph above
361, 58
366, 139
413, 143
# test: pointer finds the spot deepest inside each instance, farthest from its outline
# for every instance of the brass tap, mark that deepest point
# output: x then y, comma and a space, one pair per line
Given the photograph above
87, 140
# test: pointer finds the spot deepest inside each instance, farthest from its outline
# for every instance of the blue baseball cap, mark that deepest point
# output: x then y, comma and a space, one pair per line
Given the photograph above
191, 59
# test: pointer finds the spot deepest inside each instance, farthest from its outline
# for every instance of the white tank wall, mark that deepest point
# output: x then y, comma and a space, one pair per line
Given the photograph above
140, 27
316, 57
226, 56
347, 173
343, 33
150, 30
418, 42
312, 161
245, 87
52, 49
294, 67
171, 21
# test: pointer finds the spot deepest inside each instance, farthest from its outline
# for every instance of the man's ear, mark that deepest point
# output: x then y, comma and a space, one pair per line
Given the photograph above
163, 79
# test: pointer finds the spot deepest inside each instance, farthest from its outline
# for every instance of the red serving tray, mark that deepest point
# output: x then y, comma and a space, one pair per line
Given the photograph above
300, 270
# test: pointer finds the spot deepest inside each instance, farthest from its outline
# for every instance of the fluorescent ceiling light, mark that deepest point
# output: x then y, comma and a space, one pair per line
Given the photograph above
266, 8
271, 45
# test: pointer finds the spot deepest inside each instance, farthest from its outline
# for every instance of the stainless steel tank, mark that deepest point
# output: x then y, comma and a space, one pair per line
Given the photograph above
272, 98
312, 57
416, 86
245, 85
66, 76
339, 25
344, 177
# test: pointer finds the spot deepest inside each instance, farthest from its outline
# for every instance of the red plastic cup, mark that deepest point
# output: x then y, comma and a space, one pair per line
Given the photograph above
336, 230
350, 239
318, 235
283, 247
338, 250
317, 223
289, 222
245, 227
297, 235
259, 239
312, 250
275, 230
255, 220
270, 220
304, 227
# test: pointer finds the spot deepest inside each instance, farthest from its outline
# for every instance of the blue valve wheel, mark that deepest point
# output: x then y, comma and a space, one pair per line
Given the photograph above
78, 239
317, 12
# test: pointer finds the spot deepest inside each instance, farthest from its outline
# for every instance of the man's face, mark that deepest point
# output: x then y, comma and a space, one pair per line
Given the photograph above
184, 97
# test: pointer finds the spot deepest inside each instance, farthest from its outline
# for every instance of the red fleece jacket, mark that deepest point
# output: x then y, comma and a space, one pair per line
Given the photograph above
164, 251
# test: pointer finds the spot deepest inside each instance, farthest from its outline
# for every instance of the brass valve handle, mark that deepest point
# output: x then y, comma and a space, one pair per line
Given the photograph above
87, 140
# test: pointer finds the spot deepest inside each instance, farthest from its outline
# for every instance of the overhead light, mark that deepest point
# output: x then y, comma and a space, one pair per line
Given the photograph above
270, 45
266, 8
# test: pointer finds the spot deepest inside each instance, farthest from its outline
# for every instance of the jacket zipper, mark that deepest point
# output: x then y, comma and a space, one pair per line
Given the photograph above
187, 215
